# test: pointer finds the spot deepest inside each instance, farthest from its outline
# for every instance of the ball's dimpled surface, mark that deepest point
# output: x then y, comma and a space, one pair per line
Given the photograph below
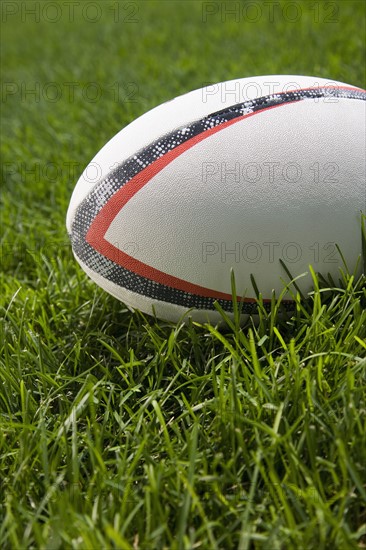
204, 183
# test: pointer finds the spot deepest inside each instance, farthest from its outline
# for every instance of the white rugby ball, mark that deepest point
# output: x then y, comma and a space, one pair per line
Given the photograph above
237, 175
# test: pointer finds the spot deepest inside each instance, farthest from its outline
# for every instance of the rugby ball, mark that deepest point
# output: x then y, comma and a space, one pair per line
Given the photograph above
237, 175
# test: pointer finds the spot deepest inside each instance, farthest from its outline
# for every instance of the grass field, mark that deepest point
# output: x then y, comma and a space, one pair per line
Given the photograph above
120, 431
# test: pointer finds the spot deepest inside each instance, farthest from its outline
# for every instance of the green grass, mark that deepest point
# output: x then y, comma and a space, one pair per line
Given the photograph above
120, 431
